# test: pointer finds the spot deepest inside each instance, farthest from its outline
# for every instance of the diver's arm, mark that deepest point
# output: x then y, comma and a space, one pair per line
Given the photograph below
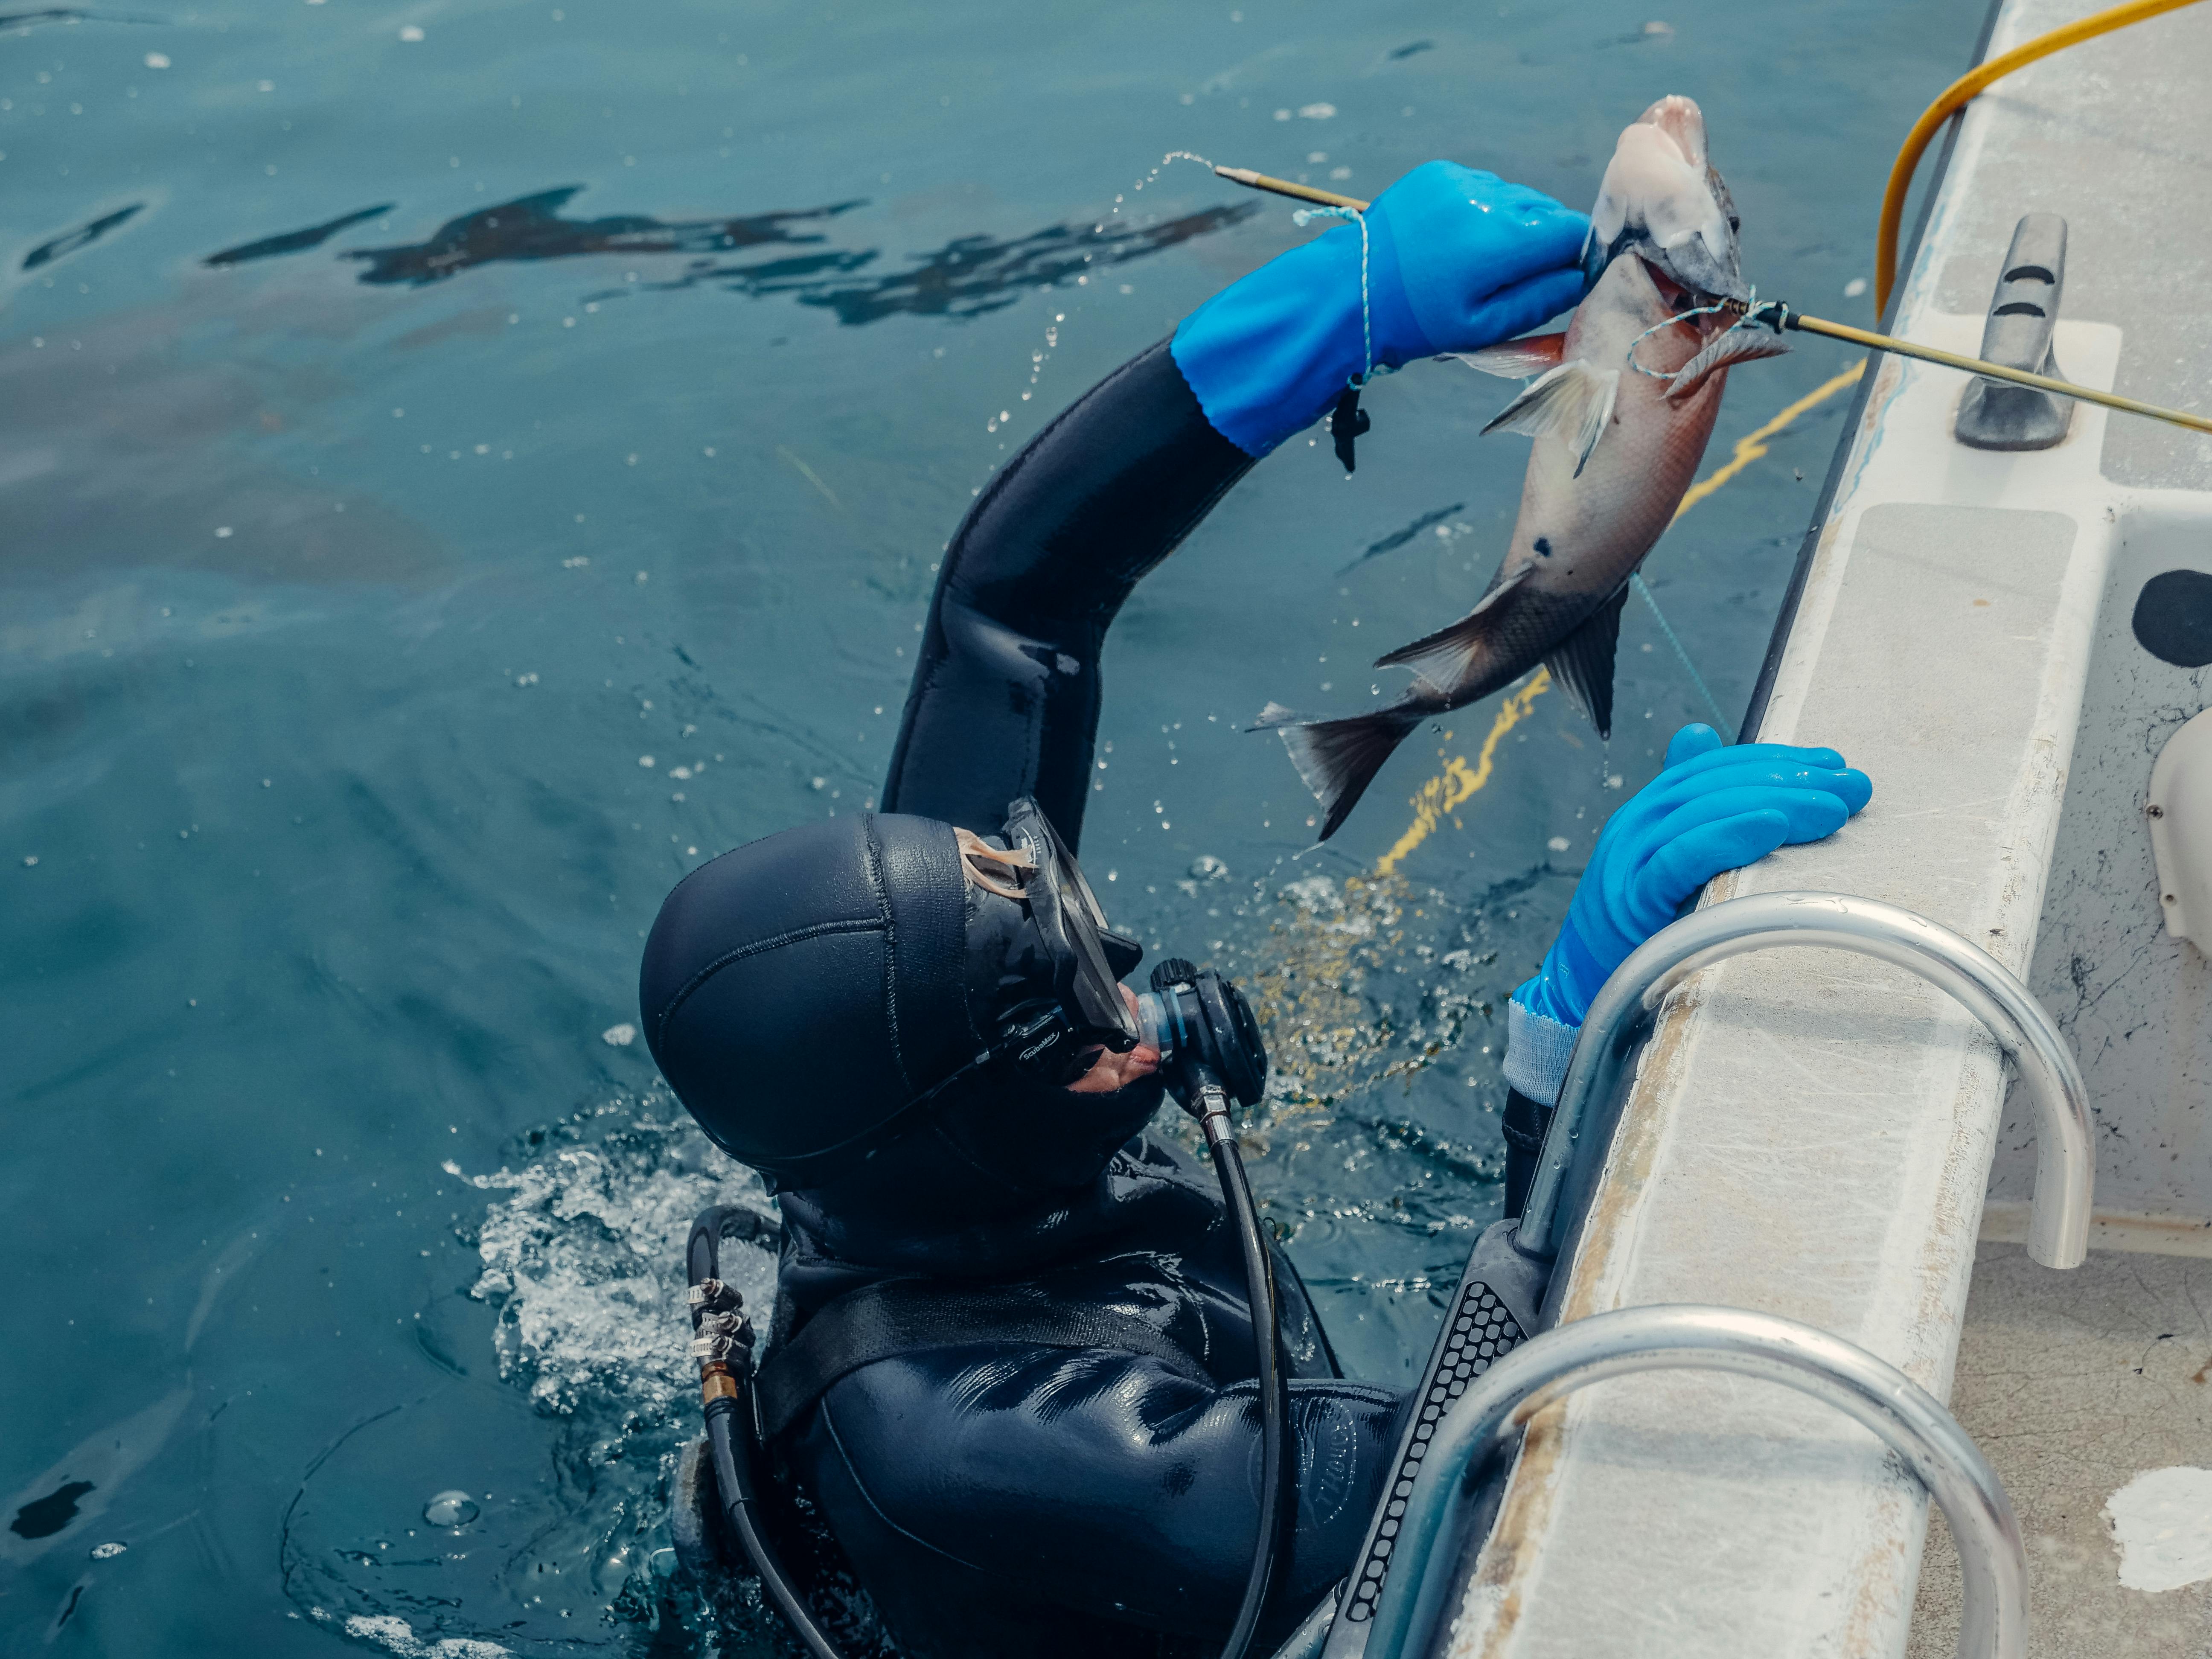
1005, 694
1712, 809
1005, 700
1095, 1480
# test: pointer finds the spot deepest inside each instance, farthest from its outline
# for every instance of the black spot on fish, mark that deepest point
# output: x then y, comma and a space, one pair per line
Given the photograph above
42, 1517
46, 252
1544, 545
293, 241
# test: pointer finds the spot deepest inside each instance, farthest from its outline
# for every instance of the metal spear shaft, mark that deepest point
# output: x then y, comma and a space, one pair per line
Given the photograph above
1796, 319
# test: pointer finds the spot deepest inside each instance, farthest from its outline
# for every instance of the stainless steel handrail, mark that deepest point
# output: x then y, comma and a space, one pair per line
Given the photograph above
1689, 1337
2065, 1171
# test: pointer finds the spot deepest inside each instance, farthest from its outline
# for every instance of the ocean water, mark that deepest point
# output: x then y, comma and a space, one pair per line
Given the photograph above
462, 462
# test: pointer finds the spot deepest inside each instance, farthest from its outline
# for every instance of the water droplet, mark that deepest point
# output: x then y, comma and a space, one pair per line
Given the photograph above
455, 1507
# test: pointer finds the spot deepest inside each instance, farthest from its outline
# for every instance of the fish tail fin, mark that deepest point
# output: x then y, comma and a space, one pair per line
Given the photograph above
1582, 662
1339, 759
1573, 402
1452, 657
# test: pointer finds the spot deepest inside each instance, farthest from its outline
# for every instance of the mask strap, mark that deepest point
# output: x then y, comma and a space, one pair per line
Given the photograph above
975, 853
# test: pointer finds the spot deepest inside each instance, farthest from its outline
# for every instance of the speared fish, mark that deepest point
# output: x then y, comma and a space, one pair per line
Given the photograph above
1617, 444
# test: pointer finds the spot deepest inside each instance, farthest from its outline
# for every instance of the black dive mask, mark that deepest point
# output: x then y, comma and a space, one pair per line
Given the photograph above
1040, 950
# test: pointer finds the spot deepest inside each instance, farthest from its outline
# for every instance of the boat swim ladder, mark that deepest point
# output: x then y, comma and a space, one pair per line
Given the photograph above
1622, 1012
1687, 1336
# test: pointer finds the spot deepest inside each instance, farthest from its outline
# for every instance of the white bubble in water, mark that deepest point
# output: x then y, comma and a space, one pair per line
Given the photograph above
645, 761
1557, 843
157, 60
1856, 287
107, 1552
619, 1036
449, 1509
584, 1261
410, 33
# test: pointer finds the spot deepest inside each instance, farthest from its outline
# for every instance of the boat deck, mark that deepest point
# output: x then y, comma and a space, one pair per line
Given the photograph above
1816, 1135
2072, 1384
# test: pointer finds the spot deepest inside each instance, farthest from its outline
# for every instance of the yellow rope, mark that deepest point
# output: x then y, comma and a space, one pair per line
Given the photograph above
1458, 781
1962, 91
1752, 445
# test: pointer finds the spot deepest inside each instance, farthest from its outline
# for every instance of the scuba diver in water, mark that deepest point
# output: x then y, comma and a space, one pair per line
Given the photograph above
1013, 1365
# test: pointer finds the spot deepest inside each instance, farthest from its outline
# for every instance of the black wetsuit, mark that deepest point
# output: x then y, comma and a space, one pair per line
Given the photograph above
1008, 1497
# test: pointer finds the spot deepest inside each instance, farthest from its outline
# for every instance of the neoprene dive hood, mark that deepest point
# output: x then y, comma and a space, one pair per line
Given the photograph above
799, 992
810, 995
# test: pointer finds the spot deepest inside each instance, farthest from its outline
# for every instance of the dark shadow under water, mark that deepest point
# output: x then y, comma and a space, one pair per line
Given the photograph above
967, 278
24, 21
294, 242
531, 228
69, 241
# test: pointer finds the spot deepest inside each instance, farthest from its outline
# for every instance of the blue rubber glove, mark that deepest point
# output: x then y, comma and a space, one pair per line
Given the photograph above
1456, 260
1710, 809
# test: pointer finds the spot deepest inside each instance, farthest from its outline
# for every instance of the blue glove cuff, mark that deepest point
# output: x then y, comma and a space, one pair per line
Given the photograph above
1536, 1050
1269, 354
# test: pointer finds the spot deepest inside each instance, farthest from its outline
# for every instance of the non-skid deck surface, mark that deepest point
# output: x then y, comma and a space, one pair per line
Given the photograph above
2072, 1384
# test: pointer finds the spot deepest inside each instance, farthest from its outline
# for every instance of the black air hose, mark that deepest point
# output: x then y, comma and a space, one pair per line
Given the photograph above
722, 1343
1274, 1388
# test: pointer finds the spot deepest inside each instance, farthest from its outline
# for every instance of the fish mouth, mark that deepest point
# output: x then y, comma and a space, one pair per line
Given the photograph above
1677, 297
1663, 200
1685, 280
1689, 258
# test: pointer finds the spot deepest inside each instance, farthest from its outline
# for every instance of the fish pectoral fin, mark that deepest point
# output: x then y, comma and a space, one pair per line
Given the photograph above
1574, 402
1517, 359
1339, 759
1582, 662
1740, 344
1447, 659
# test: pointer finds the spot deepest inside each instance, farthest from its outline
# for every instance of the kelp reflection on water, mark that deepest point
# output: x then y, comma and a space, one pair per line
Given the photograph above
967, 278
531, 228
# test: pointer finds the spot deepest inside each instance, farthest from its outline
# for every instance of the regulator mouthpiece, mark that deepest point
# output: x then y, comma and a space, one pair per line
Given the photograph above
1200, 1022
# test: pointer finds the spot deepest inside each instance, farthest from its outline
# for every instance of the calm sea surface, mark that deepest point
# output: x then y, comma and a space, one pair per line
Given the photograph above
462, 464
